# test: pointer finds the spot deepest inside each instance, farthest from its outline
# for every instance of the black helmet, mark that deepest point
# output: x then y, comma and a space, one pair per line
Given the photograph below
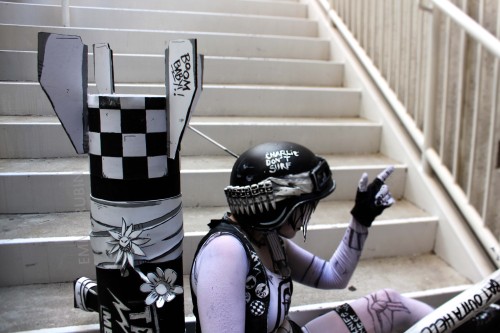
270, 180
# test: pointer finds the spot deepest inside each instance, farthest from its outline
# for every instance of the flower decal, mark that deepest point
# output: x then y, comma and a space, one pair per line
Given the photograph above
160, 287
127, 244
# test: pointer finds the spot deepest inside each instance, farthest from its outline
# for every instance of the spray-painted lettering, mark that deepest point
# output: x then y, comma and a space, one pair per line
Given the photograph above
125, 318
280, 159
465, 309
106, 320
492, 289
350, 319
180, 71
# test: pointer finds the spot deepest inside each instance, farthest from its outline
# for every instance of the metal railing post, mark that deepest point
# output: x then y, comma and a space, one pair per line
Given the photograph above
430, 88
65, 13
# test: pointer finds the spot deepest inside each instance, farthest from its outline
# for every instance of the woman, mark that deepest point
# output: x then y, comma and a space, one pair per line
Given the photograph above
241, 278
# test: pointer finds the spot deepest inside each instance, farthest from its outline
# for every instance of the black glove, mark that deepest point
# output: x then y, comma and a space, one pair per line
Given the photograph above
371, 200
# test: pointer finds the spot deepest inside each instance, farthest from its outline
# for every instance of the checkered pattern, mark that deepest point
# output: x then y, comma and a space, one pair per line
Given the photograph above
257, 308
127, 136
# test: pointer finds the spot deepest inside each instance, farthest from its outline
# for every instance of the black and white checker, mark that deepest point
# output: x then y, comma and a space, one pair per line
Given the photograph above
257, 308
127, 136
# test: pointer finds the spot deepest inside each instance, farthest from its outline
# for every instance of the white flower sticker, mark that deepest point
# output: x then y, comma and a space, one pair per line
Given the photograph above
127, 244
161, 287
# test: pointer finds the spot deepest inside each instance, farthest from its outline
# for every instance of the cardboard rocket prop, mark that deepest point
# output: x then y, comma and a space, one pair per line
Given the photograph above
133, 144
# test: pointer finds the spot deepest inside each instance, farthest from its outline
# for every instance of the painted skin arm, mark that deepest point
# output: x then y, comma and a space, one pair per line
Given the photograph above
335, 273
219, 280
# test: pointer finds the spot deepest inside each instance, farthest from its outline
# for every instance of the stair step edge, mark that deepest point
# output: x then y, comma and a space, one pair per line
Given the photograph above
329, 214
70, 191
288, 8
154, 42
167, 20
131, 68
198, 163
62, 259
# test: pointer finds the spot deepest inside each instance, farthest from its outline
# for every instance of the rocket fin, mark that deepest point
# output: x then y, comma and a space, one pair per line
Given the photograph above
103, 68
184, 78
62, 73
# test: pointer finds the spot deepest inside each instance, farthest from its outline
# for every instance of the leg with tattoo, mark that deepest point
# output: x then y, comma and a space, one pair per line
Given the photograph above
387, 311
384, 311
383, 308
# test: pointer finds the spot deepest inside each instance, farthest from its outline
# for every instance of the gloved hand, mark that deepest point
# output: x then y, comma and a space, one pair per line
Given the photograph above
371, 200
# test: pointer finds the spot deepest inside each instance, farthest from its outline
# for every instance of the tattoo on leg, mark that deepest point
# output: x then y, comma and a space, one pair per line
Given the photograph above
382, 310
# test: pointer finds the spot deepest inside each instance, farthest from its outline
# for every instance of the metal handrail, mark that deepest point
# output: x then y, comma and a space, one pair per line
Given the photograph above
420, 118
468, 24
432, 162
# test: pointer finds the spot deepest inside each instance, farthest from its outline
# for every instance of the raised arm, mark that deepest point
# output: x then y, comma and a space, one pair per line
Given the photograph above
335, 273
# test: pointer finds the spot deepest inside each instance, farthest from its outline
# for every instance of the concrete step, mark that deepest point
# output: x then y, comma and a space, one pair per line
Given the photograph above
67, 181
73, 224
44, 137
141, 68
51, 248
50, 306
128, 41
28, 99
248, 7
160, 20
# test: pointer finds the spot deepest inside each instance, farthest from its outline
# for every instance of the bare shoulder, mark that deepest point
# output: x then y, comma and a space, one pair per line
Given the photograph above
223, 247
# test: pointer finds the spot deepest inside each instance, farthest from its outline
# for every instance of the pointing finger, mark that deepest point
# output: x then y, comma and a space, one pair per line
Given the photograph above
386, 173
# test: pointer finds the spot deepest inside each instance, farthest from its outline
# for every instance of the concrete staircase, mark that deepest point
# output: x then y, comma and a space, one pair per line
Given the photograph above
273, 71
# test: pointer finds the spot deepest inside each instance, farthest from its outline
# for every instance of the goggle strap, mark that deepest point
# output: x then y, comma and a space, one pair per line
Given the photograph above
278, 253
